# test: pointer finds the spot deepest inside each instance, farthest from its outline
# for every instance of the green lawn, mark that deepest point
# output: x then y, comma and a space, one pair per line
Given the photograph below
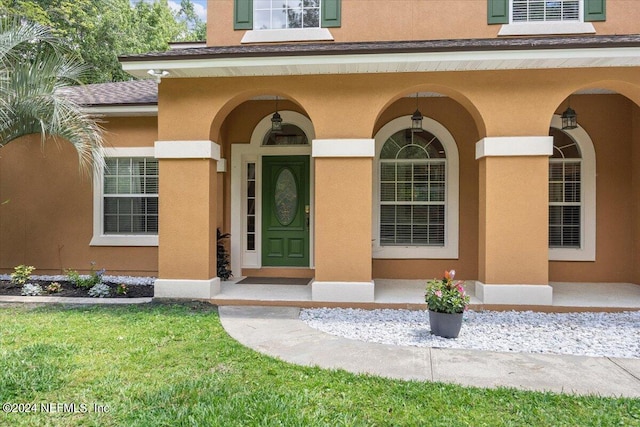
174, 365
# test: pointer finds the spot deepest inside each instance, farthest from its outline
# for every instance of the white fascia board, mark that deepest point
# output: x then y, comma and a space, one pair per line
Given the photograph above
389, 62
123, 110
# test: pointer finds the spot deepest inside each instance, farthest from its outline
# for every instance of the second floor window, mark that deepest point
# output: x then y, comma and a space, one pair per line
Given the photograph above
282, 14
545, 10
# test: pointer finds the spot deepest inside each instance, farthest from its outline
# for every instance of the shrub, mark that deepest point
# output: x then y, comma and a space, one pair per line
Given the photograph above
87, 281
54, 288
122, 289
31, 290
21, 274
100, 291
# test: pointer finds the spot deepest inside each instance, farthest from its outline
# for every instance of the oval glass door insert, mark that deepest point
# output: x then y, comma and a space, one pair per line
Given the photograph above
286, 197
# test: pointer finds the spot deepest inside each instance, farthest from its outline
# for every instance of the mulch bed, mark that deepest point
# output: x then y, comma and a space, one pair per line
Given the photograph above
69, 290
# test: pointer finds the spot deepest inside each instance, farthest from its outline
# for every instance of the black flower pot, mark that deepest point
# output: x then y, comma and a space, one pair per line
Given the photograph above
446, 325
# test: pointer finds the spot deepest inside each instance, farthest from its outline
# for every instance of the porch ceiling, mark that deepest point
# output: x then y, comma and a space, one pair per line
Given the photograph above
392, 57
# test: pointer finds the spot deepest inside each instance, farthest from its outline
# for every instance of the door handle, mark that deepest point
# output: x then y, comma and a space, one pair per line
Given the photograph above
307, 211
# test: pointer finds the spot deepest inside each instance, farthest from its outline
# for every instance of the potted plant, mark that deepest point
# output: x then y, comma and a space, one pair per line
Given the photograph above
447, 300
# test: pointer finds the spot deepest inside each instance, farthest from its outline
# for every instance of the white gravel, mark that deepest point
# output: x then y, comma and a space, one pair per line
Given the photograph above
127, 280
585, 334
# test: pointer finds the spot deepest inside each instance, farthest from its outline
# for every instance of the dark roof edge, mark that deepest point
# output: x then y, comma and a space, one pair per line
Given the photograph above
364, 48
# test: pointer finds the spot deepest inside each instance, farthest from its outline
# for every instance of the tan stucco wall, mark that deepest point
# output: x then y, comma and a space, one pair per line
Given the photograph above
195, 109
608, 120
188, 199
635, 154
343, 222
513, 200
415, 20
47, 220
481, 104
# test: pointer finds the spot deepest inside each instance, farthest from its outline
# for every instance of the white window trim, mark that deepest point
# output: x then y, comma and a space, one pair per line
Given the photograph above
287, 35
587, 251
451, 233
546, 27
99, 238
241, 154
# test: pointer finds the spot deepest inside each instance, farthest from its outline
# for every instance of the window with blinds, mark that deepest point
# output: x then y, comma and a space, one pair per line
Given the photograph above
412, 190
130, 195
545, 10
565, 192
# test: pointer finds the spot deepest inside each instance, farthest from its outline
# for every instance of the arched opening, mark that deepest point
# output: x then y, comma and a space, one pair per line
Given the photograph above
258, 194
425, 189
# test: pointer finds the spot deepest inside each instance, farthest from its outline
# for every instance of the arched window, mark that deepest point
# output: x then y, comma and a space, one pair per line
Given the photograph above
572, 195
412, 190
415, 191
290, 135
565, 194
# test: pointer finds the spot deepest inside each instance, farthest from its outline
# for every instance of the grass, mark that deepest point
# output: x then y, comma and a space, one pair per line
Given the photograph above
174, 365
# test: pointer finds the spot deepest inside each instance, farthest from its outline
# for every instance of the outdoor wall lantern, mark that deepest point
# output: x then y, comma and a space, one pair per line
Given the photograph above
569, 119
158, 74
416, 119
276, 120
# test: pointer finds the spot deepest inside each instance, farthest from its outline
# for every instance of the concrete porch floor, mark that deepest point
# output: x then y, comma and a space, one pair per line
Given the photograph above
409, 294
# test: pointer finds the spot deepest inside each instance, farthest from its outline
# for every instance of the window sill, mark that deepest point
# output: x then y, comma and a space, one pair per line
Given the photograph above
287, 35
546, 28
124, 240
414, 252
567, 254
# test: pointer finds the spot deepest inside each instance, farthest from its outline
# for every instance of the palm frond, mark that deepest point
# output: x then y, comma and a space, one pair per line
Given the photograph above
32, 96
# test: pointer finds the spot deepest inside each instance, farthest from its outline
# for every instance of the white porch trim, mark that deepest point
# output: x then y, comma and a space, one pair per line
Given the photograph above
514, 294
514, 146
342, 291
187, 150
343, 148
184, 288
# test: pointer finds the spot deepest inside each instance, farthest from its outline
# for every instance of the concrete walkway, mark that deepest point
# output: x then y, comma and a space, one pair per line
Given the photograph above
278, 332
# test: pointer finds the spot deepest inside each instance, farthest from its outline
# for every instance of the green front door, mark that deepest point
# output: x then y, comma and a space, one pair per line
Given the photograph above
285, 211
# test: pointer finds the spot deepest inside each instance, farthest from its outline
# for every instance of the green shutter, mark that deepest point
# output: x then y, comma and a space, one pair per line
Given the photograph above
243, 15
498, 12
595, 10
330, 13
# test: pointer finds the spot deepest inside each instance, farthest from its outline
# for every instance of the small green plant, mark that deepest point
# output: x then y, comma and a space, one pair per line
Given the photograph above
122, 289
21, 274
223, 263
100, 291
85, 281
31, 290
54, 288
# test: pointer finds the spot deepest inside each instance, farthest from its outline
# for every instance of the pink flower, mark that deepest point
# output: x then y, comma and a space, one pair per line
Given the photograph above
438, 293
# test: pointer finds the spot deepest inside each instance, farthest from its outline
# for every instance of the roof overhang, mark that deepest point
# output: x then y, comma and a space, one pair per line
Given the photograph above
398, 57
